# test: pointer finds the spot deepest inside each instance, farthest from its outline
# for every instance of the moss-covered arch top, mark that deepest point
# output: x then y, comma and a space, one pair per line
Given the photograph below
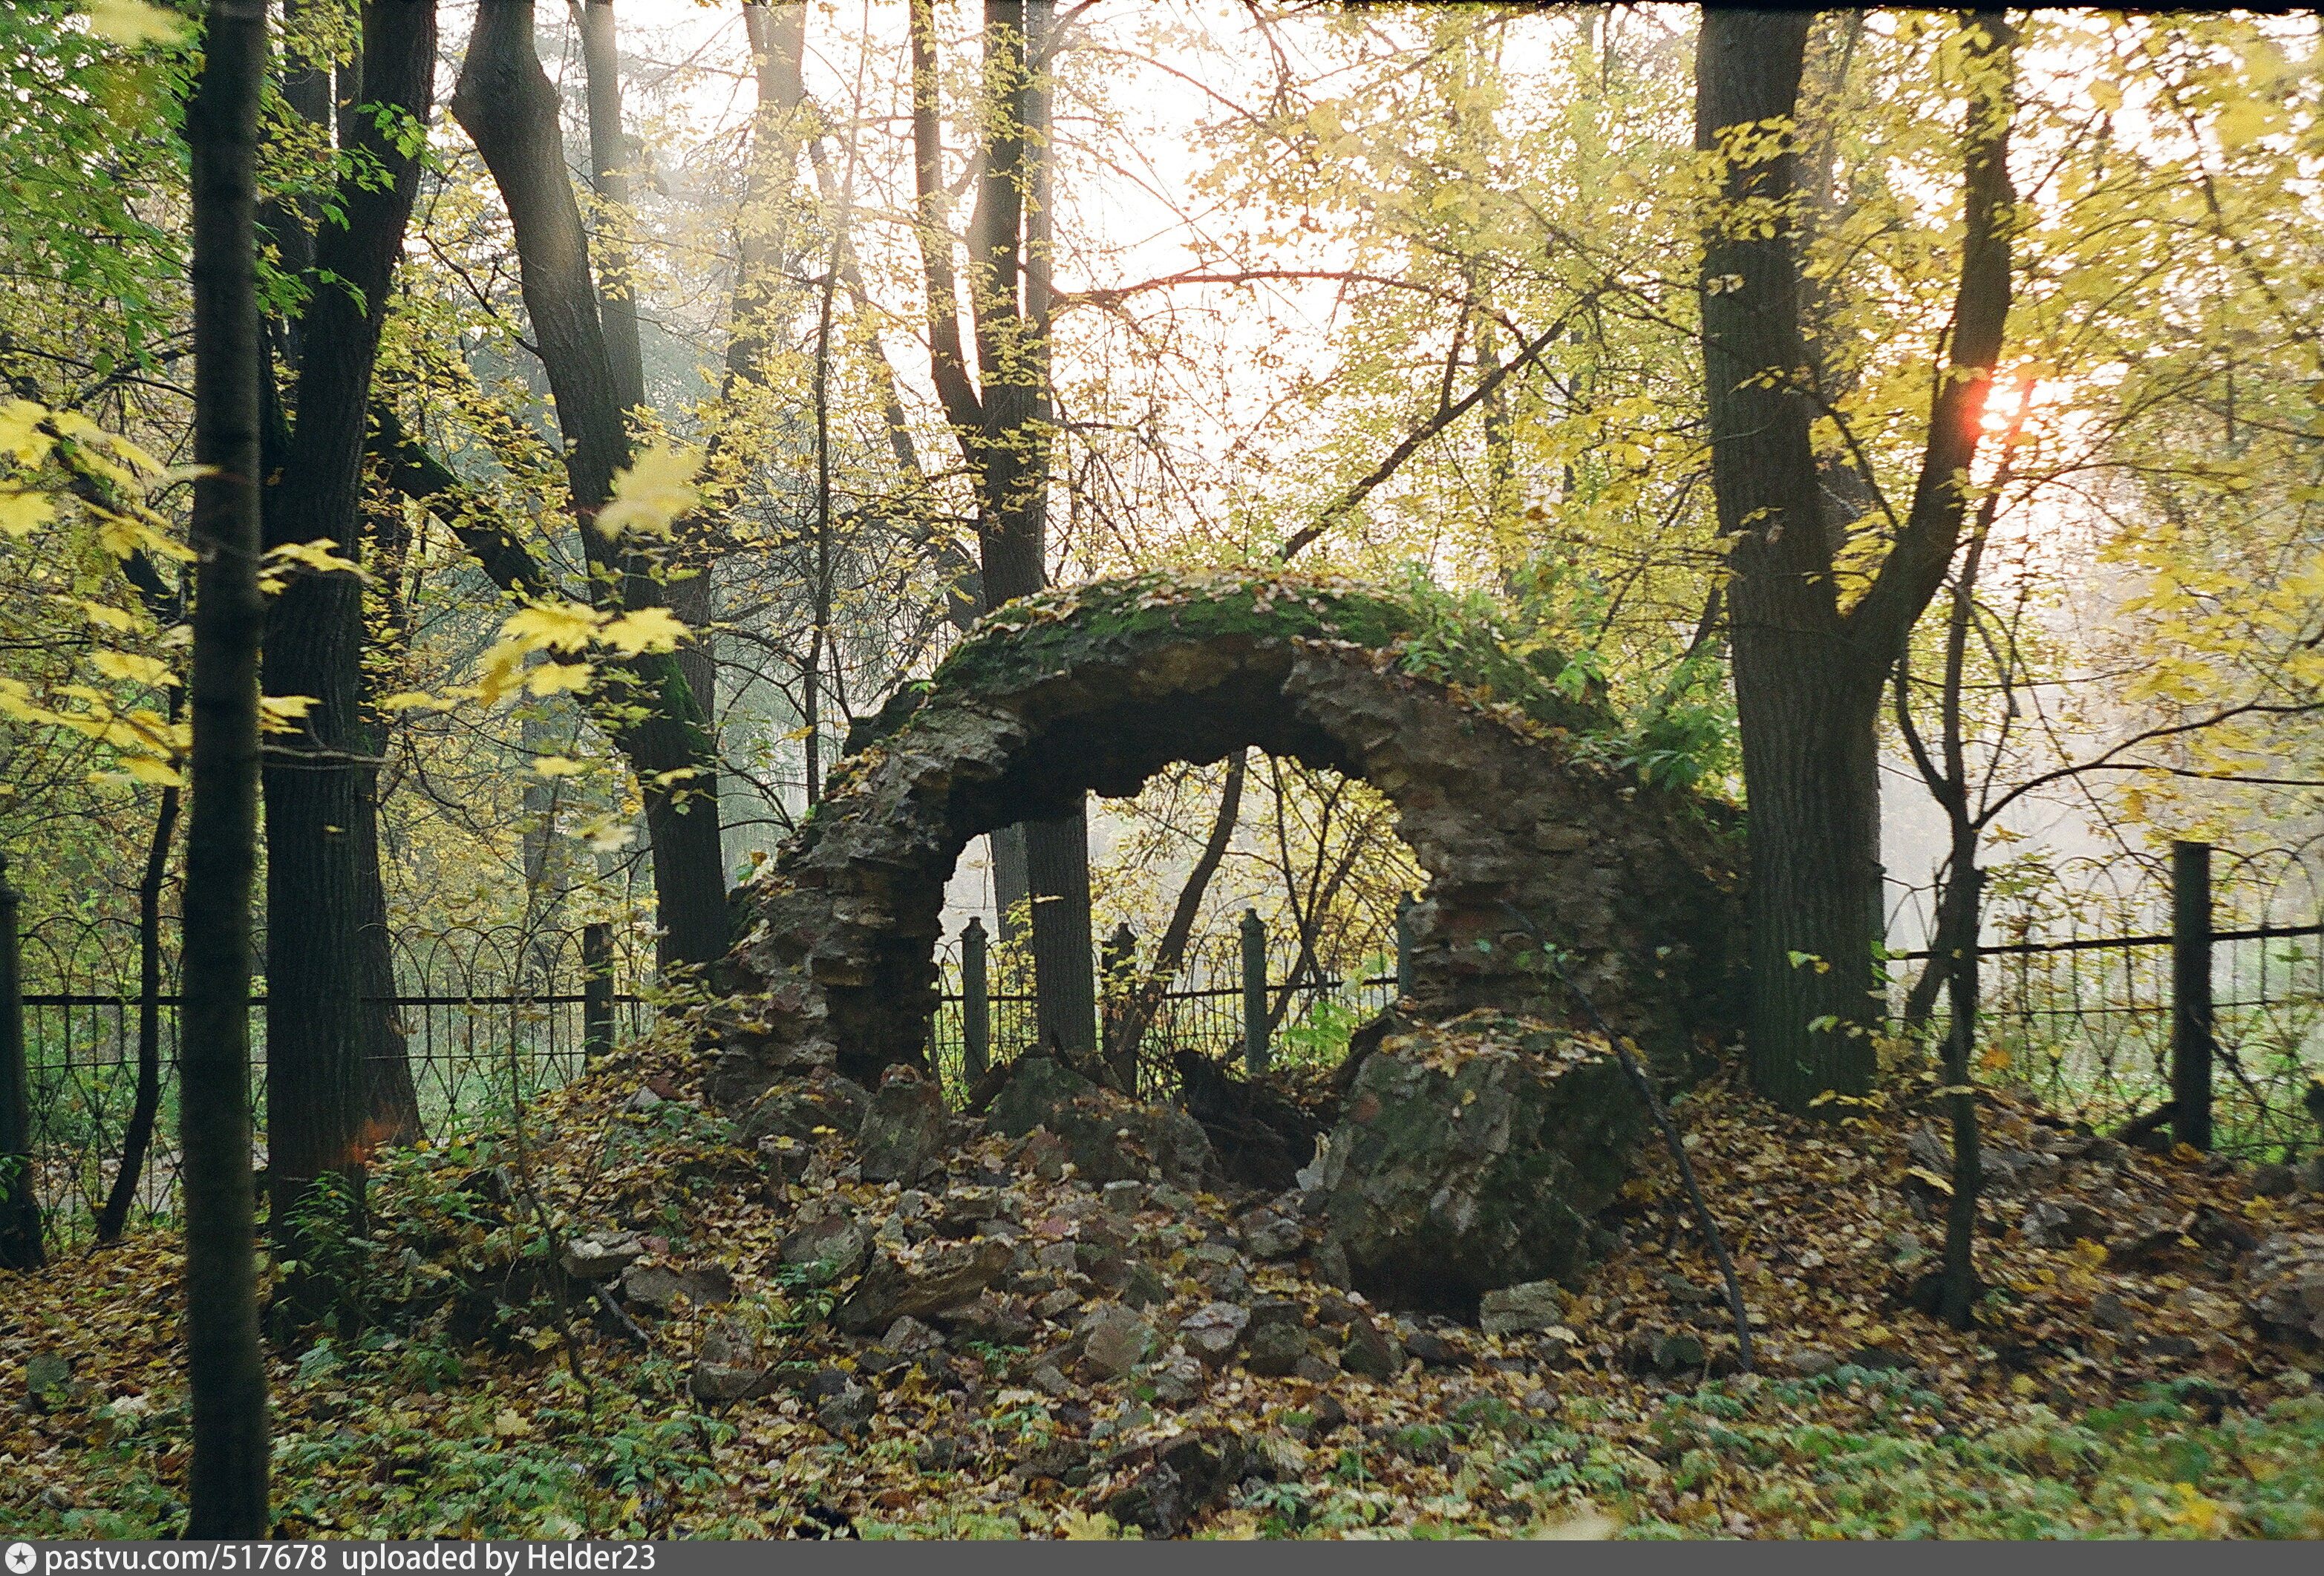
1098, 689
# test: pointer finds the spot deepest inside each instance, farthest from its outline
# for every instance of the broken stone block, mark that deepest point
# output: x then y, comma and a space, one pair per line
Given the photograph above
1370, 1351
1114, 1340
1212, 1332
1274, 1350
1453, 1176
600, 1255
1535, 1304
1109, 1138
942, 1278
904, 1127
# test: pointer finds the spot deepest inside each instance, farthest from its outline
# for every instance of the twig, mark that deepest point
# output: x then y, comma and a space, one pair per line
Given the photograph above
622, 1319
1653, 1102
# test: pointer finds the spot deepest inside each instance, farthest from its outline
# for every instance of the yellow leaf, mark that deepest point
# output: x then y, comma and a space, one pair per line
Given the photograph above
135, 669
557, 766
316, 555
510, 1423
111, 618
133, 22
22, 513
1084, 1526
20, 434
412, 700
278, 714
649, 629
560, 678
145, 769
652, 493
552, 625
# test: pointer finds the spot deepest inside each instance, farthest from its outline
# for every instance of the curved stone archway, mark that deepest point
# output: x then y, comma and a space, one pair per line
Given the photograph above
1099, 688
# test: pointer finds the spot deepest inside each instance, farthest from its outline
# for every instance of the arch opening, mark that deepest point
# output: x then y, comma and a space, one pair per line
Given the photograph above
1101, 689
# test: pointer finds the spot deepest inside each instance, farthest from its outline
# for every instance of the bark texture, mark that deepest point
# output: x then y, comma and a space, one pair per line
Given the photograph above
226, 1483
322, 848
1808, 675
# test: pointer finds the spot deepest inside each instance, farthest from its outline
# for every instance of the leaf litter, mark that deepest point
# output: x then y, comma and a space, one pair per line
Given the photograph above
2145, 1363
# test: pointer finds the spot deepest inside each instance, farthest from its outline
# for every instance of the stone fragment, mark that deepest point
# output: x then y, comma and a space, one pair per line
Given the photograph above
990, 1319
1176, 1480
658, 1288
834, 1244
725, 1382
1274, 1350
1123, 1199
909, 1336
1108, 1137
2274, 1181
1058, 1303
904, 1126
2285, 1299
1267, 1235
1178, 1380
939, 1453
940, 1280
1050, 1380
1212, 1332
2109, 1312
1454, 1174
796, 1108
1114, 1340
848, 1413
1535, 1304
1432, 1350
1370, 1351
2061, 1222
600, 1255
1143, 1286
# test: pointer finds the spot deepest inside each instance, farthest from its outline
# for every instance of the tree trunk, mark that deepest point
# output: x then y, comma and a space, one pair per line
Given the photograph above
138, 1136
1146, 998
227, 1478
509, 110
318, 1075
1003, 427
1807, 678
21, 1244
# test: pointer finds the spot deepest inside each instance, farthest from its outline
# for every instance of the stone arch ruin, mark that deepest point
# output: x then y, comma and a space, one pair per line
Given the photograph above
1099, 688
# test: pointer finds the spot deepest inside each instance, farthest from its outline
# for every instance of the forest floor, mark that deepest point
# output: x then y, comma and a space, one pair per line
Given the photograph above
2114, 1390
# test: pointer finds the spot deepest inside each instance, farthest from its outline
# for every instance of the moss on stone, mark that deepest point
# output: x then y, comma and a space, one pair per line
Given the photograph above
1041, 637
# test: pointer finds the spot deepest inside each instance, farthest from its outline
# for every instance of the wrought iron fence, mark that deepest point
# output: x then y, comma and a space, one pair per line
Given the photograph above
2080, 1005
1206, 1008
488, 1015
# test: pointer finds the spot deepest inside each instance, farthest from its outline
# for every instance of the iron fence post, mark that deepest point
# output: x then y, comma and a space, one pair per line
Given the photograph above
19, 1207
1404, 908
596, 991
975, 1005
1254, 993
2190, 994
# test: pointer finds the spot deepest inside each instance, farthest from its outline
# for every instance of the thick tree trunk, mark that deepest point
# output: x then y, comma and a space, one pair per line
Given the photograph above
1803, 698
1808, 677
319, 1115
510, 109
227, 1479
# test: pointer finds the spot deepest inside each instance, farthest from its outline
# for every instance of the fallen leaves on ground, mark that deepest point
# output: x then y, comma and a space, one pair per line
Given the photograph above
2114, 1386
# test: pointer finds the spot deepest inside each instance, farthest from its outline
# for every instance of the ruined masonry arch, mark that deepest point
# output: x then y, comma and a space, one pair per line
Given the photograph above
1099, 688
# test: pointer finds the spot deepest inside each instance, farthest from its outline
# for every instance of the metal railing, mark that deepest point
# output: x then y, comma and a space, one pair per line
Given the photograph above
2112, 987
488, 1015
